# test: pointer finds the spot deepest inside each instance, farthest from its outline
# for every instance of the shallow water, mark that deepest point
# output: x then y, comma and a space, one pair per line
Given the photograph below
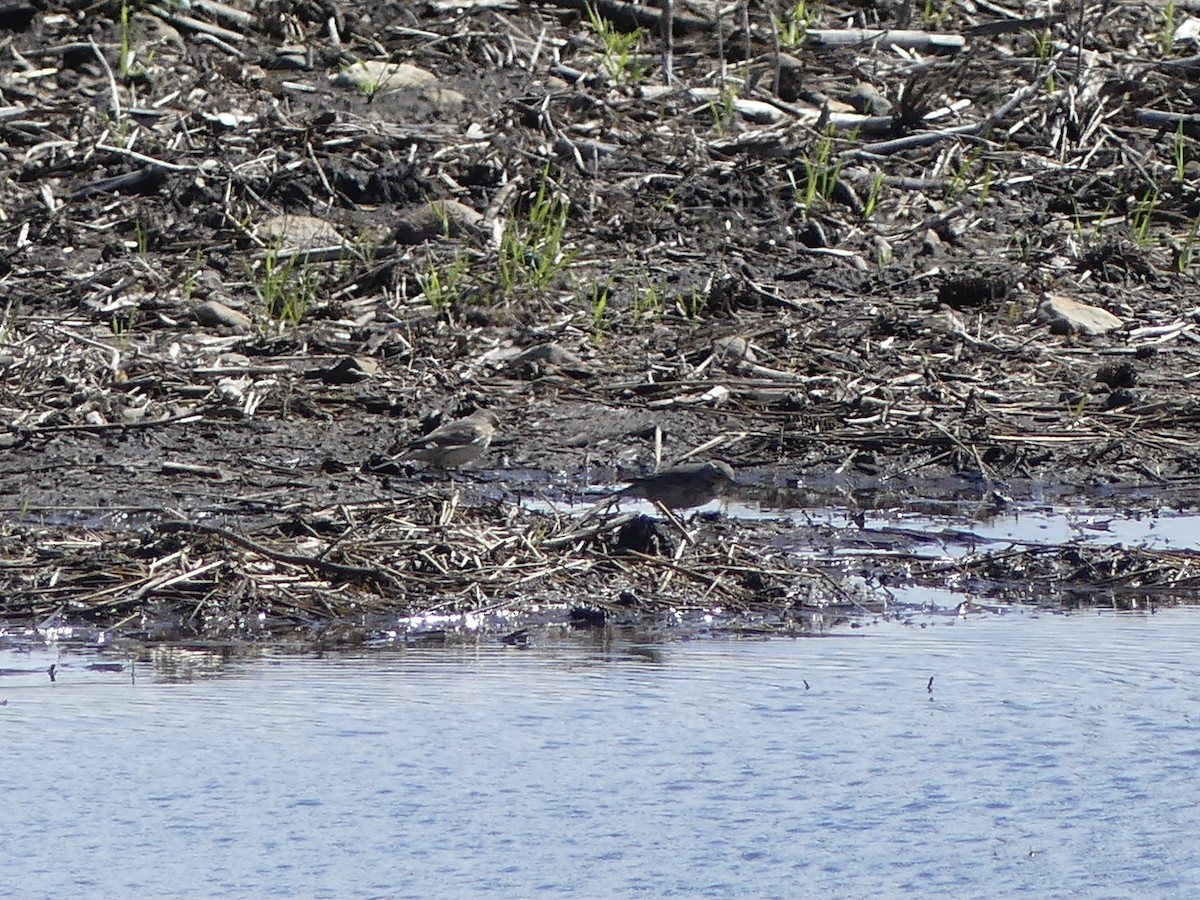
1054, 754
1164, 529
945, 526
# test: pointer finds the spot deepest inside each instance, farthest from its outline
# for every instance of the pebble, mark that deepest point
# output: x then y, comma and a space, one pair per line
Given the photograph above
1065, 315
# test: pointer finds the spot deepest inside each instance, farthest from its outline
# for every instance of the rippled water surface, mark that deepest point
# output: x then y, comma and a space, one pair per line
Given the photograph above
1053, 755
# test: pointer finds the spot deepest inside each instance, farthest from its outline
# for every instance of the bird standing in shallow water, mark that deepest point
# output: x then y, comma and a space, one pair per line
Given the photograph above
457, 442
686, 486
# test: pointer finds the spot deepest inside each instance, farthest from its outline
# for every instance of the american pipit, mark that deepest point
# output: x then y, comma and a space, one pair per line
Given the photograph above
682, 487
457, 442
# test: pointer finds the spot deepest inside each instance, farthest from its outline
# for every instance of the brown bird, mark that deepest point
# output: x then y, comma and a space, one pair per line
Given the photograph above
457, 442
682, 487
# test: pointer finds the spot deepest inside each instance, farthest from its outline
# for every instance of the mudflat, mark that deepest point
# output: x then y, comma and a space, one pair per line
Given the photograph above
869, 257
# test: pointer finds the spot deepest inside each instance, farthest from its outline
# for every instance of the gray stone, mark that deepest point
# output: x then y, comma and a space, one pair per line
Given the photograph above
216, 314
296, 232
734, 353
1065, 316
438, 218
867, 100
371, 76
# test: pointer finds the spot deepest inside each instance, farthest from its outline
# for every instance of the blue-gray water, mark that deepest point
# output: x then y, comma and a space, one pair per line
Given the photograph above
1055, 756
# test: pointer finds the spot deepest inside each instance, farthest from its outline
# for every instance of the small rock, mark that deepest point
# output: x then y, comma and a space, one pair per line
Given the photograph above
291, 57
152, 32
1117, 375
349, 370
758, 111
867, 100
1187, 32
229, 118
646, 535
17, 16
438, 218
372, 75
733, 352
1120, 397
291, 232
206, 283
974, 291
812, 235
588, 151
751, 110
548, 359
443, 98
216, 314
1065, 315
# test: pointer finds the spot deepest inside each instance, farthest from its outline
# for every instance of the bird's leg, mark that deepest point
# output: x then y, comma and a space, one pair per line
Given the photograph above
601, 506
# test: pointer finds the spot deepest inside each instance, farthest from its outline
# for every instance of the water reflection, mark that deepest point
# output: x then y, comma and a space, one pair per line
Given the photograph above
941, 525
1053, 754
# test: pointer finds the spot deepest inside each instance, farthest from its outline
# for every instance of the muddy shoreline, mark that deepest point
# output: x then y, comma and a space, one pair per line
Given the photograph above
249, 251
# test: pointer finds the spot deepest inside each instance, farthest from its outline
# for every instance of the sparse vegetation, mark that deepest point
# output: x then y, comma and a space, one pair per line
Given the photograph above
370, 80
8, 321
722, 109
598, 306
1140, 220
647, 303
188, 285
821, 173
1043, 48
792, 27
1186, 253
1167, 38
122, 324
964, 176
692, 304
141, 238
1179, 154
985, 182
285, 287
441, 286
531, 250
126, 43
618, 56
934, 13
873, 195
